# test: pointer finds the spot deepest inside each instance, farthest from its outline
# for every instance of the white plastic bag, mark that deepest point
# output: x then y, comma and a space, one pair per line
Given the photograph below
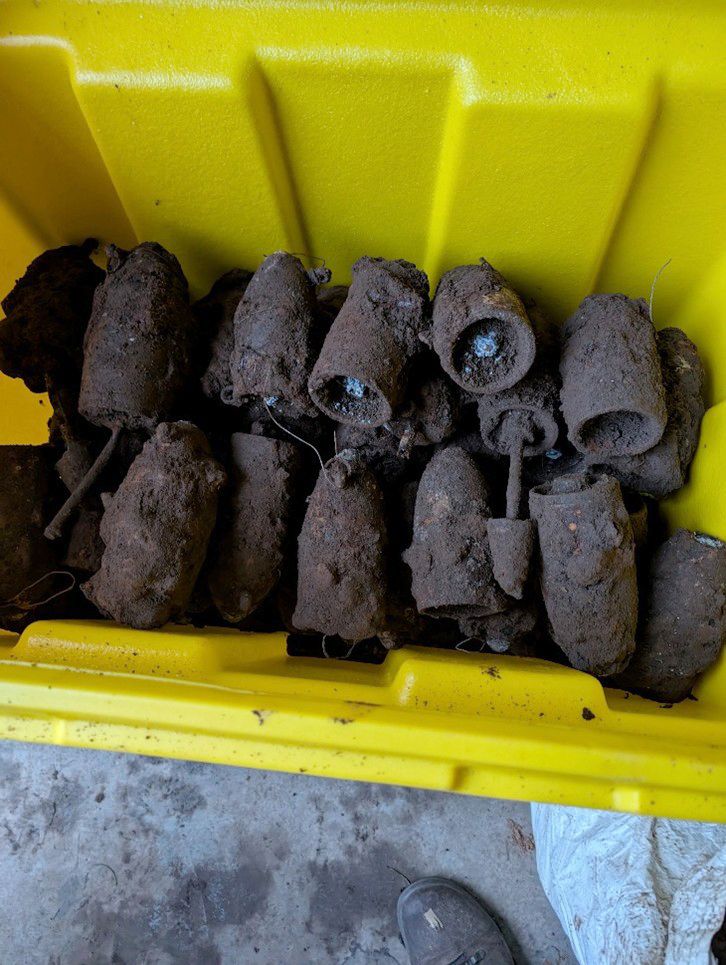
632, 890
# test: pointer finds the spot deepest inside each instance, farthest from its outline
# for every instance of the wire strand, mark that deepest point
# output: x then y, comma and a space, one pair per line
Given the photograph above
652, 287
330, 656
14, 601
304, 254
299, 438
468, 640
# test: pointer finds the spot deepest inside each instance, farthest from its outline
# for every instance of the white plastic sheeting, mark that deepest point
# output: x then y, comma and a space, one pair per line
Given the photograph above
632, 890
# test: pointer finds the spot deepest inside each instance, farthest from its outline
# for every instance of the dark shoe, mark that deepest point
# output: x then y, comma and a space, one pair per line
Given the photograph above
442, 924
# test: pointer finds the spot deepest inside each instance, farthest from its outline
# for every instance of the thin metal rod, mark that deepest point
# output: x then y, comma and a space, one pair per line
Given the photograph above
55, 527
514, 482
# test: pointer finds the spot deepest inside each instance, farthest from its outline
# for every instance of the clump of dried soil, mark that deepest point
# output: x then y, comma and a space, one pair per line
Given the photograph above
342, 553
156, 529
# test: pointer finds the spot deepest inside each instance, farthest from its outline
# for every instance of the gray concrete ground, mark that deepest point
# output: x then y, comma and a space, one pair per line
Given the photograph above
108, 858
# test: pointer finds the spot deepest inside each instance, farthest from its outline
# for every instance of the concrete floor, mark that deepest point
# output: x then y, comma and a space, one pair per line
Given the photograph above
108, 858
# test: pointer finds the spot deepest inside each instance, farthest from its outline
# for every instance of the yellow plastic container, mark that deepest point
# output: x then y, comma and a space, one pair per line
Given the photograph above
577, 146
